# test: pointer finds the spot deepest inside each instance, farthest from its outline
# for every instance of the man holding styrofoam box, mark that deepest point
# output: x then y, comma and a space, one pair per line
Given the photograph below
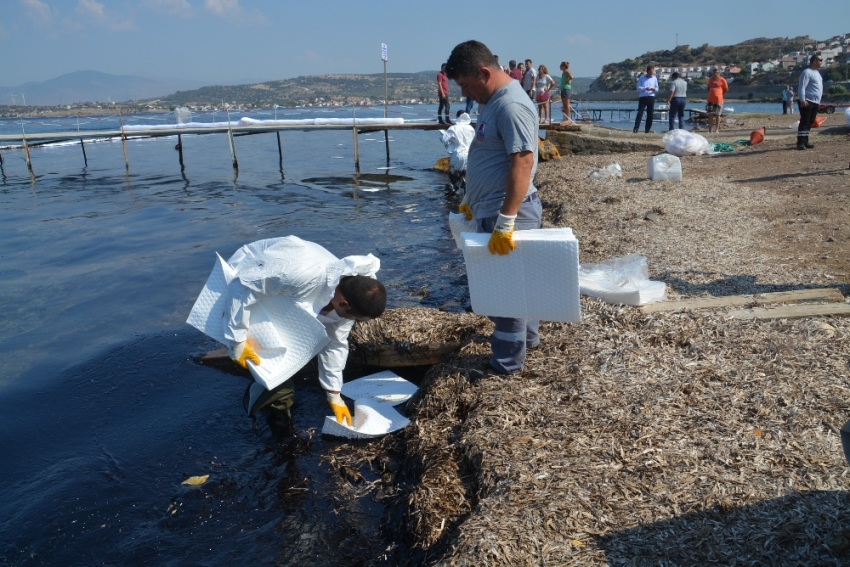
279, 302
513, 276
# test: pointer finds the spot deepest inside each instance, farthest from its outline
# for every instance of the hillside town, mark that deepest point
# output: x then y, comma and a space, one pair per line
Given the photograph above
835, 52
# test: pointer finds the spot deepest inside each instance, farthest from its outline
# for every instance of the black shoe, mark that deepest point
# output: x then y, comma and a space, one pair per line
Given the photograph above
809, 146
449, 122
634, 131
440, 120
647, 132
801, 147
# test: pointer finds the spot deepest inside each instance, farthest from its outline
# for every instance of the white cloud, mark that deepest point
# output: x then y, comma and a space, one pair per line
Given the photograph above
97, 12
232, 9
578, 40
180, 8
39, 12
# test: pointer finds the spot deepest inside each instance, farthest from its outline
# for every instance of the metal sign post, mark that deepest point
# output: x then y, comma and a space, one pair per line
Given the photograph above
386, 100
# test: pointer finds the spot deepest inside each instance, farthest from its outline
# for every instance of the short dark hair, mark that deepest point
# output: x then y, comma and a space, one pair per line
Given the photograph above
815, 56
512, 63
467, 58
675, 75
366, 296
649, 68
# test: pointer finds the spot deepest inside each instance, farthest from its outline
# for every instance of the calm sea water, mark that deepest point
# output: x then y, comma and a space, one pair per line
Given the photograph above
104, 412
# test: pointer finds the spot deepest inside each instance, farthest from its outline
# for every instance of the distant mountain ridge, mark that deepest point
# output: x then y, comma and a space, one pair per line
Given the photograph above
91, 86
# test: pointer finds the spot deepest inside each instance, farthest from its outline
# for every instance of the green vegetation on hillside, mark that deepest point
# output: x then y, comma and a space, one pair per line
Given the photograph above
617, 76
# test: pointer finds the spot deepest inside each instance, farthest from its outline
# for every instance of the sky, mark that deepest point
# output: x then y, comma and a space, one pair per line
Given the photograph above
240, 41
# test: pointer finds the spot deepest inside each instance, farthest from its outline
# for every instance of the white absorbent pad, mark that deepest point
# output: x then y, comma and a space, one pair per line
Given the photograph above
374, 415
458, 225
284, 335
538, 280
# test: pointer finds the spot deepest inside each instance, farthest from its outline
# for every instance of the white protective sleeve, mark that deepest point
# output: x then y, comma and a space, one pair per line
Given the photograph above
333, 357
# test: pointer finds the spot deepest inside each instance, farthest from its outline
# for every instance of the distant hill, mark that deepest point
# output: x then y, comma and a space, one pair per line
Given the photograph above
91, 86
326, 88
617, 76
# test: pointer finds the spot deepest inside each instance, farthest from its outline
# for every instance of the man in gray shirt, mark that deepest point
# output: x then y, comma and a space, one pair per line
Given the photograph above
809, 92
500, 194
676, 100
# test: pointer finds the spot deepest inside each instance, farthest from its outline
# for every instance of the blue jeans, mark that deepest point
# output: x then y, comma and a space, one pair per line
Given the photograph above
677, 108
512, 336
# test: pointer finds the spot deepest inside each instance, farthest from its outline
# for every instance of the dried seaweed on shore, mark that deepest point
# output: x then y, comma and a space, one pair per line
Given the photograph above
683, 438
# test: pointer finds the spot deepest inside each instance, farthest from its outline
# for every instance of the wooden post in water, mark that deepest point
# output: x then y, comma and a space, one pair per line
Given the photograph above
232, 145
279, 149
180, 150
124, 141
356, 146
82, 143
26, 148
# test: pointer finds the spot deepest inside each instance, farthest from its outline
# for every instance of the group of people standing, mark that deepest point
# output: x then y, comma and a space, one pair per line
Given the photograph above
647, 87
536, 82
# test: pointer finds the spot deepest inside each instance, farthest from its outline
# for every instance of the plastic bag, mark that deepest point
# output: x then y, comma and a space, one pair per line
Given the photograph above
621, 280
612, 170
847, 116
684, 143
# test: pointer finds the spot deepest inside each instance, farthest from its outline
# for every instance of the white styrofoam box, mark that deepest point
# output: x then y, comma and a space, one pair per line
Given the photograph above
386, 387
286, 338
458, 224
538, 280
211, 306
647, 291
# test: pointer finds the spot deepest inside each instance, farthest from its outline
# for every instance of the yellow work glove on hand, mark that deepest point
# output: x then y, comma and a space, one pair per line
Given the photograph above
464, 208
242, 352
502, 241
340, 409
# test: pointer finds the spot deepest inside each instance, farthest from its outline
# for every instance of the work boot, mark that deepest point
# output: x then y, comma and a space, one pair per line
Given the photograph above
808, 145
440, 120
802, 142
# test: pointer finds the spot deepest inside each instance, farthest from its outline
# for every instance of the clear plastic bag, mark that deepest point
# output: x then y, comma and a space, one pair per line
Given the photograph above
684, 143
612, 170
621, 280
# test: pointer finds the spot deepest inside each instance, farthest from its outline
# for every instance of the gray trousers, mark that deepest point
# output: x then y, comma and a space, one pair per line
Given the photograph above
512, 336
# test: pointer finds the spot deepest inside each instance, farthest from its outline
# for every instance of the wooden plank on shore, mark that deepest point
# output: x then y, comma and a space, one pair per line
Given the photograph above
829, 294
793, 311
376, 355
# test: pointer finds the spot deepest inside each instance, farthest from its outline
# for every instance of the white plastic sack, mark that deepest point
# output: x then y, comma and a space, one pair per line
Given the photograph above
621, 280
458, 225
683, 143
847, 115
374, 413
612, 170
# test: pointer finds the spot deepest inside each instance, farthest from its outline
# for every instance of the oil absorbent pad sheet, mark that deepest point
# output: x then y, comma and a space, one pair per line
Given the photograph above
374, 415
284, 334
538, 280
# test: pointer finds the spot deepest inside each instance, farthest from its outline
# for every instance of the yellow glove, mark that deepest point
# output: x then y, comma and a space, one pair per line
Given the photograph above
502, 241
340, 409
464, 208
242, 352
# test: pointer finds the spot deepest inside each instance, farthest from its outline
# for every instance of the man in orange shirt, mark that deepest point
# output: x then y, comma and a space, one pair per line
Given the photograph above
717, 87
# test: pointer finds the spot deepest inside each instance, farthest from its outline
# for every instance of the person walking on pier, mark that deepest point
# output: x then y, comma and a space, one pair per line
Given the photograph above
566, 91
809, 93
717, 87
443, 94
647, 89
500, 193
676, 101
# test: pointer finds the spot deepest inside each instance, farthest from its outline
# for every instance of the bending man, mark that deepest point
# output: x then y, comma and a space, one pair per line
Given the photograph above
319, 286
502, 160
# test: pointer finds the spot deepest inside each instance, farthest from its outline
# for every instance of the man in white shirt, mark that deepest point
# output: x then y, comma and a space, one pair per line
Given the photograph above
529, 80
809, 92
647, 89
